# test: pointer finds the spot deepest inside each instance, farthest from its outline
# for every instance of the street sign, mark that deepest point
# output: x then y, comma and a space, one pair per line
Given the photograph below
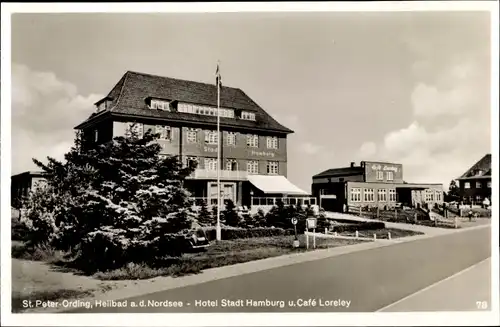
295, 221
311, 223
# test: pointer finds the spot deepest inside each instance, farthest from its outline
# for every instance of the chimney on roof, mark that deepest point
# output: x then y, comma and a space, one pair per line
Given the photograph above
352, 164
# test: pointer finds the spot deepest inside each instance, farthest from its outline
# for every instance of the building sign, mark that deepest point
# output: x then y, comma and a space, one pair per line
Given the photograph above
385, 168
262, 154
208, 149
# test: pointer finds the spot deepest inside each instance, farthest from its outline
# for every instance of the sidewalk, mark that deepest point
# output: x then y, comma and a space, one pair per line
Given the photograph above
468, 290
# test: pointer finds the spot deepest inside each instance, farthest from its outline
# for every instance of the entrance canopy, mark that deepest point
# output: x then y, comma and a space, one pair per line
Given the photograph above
275, 185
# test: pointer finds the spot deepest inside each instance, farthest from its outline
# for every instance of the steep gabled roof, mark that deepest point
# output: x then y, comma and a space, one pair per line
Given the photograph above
129, 95
484, 164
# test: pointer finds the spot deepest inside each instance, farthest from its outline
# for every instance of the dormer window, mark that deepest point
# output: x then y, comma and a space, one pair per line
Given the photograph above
103, 104
247, 115
159, 104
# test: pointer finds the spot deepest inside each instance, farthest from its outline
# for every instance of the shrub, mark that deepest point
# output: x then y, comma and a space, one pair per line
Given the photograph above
19, 230
238, 233
205, 218
231, 217
359, 227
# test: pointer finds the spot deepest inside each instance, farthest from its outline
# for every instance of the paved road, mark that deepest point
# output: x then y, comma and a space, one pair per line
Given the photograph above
468, 290
364, 281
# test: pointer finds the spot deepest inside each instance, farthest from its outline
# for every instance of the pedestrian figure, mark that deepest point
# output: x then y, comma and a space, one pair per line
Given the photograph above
470, 215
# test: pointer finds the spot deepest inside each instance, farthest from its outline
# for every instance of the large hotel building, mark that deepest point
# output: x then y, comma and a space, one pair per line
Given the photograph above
184, 113
372, 184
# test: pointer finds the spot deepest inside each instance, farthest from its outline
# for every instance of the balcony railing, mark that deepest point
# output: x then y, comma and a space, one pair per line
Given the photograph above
224, 174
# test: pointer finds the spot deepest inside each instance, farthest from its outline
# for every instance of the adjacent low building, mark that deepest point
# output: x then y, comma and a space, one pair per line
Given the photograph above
372, 184
475, 183
22, 184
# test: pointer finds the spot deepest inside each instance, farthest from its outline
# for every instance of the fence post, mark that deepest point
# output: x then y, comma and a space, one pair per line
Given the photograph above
357, 234
360, 211
396, 214
389, 235
375, 237
378, 212
326, 230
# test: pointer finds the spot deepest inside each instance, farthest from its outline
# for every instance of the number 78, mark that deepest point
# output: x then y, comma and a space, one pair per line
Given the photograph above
482, 304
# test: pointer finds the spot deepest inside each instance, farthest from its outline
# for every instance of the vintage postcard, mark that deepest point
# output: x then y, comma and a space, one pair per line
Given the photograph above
253, 164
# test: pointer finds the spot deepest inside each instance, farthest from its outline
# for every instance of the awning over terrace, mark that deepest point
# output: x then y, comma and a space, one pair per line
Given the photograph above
275, 185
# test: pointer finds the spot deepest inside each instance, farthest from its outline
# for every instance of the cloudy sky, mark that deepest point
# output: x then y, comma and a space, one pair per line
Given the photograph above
411, 88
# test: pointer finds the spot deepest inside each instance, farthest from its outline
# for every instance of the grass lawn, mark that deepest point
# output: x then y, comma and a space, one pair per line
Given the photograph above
383, 233
222, 254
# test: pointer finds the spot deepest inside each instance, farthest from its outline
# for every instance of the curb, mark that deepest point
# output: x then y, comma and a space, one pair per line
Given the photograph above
168, 283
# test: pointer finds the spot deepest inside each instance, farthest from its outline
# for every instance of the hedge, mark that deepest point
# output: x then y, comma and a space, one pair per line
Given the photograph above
233, 233
359, 227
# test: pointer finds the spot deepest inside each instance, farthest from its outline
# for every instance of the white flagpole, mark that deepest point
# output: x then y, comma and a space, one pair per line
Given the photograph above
218, 228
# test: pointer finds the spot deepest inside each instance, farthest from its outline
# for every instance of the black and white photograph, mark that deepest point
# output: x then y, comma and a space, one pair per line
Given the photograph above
250, 164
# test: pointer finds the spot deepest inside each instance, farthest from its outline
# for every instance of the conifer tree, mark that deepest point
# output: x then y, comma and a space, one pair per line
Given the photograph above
119, 202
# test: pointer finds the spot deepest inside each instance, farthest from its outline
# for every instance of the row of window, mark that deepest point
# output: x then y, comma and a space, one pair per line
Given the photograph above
211, 136
389, 175
200, 110
431, 196
369, 195
478, 185
252, 166
384, 195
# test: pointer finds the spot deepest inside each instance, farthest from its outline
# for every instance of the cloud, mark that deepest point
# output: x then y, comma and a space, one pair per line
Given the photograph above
367, 151
310, 148
45, 110
450, 127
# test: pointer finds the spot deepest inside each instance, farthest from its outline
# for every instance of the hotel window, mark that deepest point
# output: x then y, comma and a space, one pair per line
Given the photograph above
191, 160
231, 138
272, 167
438, 196
392, 195
231, 165
356, 195
478, 185
211, 137
429, 195
380, 175
467, 185
253, 167
135, 128
210, 164
159, 104
488, 184
247, 115
382, 195
390, 175
96, 135
272, 142
164, 131
191, 135
252, 141
369, 194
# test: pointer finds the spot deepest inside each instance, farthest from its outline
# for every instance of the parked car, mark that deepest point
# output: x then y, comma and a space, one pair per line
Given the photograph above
197, 240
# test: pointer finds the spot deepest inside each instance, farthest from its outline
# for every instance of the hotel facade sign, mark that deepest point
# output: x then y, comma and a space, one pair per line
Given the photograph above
262, 154
385, 168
